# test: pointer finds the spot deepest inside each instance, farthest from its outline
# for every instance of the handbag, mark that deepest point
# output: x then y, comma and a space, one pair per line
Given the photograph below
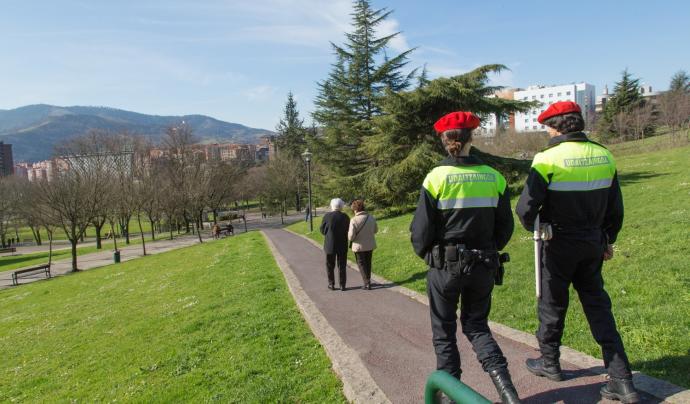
349, 245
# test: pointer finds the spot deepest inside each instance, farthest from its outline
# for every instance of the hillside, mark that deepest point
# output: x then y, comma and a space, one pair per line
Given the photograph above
33, 130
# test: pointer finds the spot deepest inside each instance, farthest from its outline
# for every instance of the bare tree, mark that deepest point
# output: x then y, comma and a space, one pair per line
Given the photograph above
640, 121
25, 208
75, 195
179, 154
282, 174
223, 176
7, 206
674, 111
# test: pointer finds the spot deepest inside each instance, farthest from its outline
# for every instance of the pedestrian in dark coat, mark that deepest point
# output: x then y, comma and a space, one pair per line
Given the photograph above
334, 227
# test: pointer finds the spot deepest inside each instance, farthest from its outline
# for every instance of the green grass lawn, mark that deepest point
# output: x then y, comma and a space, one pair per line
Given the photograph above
10, 262
59, 234
648, 280
213, 322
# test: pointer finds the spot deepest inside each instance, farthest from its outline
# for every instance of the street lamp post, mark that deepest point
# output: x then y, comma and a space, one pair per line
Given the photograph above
307, 157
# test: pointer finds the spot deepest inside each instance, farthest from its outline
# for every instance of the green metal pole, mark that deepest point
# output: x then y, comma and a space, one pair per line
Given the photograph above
453, 388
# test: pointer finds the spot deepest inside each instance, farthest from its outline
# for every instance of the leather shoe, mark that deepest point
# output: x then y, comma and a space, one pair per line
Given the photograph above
622, 390
542, 367
331, 287
342, 287
504, 386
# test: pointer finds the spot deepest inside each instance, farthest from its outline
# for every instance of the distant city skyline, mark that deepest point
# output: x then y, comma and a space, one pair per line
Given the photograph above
237, 60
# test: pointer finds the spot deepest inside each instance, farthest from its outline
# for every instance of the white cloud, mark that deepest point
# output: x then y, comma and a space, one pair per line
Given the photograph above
260, 93
389, 27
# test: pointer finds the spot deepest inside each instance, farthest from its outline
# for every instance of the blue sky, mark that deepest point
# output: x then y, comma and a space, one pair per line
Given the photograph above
236, 60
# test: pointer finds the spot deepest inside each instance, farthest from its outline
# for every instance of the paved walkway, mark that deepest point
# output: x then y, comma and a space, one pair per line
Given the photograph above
390, 332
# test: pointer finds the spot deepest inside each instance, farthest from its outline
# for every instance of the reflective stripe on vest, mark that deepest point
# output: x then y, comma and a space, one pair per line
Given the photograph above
460, 203
458, 187
576, 166
580, 185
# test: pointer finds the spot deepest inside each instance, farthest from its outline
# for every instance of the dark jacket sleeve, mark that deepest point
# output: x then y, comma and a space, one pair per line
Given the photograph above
324, 224
613, 220
503, 222
424, 224
531, 199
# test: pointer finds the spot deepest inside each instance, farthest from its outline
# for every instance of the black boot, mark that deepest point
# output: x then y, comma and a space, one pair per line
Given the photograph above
622, 390
504, 386
543, 367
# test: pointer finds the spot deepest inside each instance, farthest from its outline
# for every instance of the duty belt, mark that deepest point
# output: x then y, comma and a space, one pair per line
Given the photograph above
459, 253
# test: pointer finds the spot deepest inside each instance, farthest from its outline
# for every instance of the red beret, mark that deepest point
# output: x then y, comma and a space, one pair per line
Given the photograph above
456, 120
559, 108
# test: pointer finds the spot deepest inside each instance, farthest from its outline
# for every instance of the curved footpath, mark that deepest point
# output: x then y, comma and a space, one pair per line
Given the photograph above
379, 341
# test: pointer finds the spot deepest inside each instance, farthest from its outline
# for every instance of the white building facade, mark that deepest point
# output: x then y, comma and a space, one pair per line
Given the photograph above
581, 93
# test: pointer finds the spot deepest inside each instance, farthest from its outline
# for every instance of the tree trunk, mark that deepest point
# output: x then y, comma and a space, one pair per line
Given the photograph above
36, 232
50, 247
73, 242
112, 231
244, 218
215, 216
98, 235
198, 231
141, 231
153, 228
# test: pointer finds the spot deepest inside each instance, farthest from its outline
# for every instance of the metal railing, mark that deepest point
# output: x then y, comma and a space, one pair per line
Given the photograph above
452, 387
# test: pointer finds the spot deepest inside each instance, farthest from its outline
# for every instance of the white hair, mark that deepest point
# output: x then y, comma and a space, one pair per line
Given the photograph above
337, 204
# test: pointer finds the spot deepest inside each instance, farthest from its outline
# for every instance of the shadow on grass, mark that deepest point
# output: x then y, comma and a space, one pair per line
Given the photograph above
666, 368
18, 259
637, 176
412, 278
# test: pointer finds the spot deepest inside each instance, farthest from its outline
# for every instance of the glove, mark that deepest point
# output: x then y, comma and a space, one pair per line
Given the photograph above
545, 231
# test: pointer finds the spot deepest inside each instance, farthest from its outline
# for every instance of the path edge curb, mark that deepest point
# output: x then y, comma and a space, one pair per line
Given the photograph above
658, 388
358, 384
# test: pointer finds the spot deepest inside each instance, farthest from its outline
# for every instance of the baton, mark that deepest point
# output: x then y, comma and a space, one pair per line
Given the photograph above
537, 257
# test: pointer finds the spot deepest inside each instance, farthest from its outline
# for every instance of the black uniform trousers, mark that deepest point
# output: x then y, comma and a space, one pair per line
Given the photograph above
578, 261
341, 259
445, 289
364, 264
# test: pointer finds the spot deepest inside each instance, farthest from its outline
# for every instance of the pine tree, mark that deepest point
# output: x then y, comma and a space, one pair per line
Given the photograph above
626, 97
291, 130
680, 82
404, 146
353, 93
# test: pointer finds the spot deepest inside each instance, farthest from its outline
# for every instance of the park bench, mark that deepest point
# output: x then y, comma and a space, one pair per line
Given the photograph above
45, 268
8, 250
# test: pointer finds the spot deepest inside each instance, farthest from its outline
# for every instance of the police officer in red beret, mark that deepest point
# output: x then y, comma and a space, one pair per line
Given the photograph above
573, 187
463, 219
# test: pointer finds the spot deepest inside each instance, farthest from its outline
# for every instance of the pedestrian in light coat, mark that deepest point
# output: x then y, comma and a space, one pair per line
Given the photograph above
362, 232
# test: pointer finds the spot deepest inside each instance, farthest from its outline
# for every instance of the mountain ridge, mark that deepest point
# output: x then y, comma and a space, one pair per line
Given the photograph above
34, 130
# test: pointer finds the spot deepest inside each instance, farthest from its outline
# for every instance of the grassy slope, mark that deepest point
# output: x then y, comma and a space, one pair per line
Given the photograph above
210, 322
648, 280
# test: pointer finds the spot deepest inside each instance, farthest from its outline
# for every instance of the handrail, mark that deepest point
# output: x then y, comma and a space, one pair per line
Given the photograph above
452, 387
